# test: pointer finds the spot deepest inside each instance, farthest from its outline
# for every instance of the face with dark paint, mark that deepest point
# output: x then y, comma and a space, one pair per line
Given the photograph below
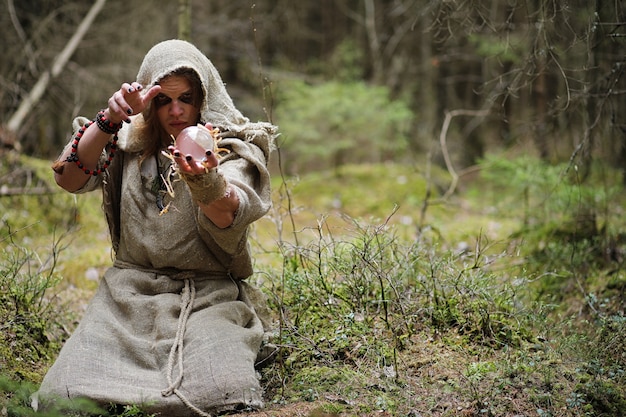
175, 104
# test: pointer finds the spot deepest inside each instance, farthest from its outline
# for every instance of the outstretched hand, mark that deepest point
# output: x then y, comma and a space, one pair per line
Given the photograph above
129, 100
193, 166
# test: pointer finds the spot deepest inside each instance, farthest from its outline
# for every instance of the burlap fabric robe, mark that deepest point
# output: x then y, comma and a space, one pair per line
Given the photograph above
172, 270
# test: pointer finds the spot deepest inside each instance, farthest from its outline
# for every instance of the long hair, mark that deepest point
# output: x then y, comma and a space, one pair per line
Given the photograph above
152, 127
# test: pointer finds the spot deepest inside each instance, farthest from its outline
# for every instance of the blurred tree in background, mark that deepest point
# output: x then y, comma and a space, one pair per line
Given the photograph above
338, 123
548, 76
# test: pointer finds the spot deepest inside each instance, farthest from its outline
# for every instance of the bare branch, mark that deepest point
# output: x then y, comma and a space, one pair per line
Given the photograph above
20, 33
444, 147
38, 90
6, 191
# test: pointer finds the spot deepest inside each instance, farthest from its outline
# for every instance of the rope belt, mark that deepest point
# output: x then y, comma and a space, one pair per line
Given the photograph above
186, 304
187, 298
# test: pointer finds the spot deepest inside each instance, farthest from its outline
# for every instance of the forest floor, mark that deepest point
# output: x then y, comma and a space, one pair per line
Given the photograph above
453, 332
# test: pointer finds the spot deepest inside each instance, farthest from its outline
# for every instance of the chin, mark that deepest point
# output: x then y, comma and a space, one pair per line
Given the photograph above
174, 132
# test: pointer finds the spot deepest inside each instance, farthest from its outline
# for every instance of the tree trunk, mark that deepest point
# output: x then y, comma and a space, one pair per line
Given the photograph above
431, 113
539, 90
373, 41
184, 20
598, 89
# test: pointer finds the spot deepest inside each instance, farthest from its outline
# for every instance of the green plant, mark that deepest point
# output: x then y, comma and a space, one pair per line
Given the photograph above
460, 291
16, 398
557, 206
323, 127
127, 411
357, 299
28, 312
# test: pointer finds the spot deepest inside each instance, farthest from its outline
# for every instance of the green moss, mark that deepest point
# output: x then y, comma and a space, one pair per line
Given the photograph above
604, 397
362, 191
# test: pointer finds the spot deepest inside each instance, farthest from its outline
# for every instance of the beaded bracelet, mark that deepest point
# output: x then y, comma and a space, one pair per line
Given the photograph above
74, 156
106, 125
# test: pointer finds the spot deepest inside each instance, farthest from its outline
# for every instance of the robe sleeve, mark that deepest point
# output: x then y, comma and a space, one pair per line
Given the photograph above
245, 168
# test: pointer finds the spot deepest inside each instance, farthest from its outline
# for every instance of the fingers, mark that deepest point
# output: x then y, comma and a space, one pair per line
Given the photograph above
129, 100
189, 165
118, 107
150, 94
210, 160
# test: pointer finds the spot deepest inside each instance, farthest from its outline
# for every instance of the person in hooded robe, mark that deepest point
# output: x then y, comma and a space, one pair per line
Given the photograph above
174, 327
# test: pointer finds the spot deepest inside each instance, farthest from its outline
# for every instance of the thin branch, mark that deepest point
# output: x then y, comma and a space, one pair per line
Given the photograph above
22, 35
444, 146
6, 191
39, 89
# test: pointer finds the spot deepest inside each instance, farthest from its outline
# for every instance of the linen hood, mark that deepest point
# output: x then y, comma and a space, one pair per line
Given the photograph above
217, 107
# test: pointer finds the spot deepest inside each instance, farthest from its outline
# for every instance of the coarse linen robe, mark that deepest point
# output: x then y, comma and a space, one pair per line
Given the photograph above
174, 326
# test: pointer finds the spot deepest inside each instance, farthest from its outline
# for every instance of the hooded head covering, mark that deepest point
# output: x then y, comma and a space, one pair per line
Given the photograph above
168, 56
217, 107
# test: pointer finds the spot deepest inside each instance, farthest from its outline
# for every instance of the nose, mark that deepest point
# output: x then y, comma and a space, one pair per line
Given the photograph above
175, 108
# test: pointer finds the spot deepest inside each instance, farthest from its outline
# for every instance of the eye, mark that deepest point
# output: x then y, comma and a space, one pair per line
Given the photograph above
162, 100
186, 98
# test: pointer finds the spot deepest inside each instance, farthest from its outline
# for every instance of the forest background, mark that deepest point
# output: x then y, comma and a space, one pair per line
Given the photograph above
488, 135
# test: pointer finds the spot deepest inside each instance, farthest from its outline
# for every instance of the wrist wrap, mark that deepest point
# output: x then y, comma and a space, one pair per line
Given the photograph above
206, 188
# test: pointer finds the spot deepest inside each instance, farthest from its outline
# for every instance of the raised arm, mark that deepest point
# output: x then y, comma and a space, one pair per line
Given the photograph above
127, 101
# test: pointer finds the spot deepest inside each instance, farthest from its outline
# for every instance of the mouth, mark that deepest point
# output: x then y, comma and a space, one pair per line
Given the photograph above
176, 126
179, 124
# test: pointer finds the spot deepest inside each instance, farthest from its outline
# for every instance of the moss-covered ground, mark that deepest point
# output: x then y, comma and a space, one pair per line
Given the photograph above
388, 299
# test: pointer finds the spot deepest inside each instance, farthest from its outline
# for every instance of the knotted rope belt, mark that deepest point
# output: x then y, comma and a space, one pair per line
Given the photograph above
187, 299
